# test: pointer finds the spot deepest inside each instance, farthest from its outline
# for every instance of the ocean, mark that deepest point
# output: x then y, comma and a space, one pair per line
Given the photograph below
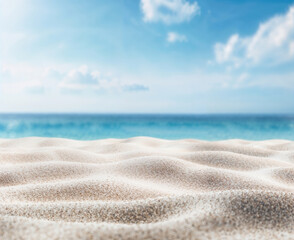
171, 126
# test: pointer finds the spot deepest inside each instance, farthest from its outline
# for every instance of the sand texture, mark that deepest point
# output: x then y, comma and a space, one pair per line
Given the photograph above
146, 188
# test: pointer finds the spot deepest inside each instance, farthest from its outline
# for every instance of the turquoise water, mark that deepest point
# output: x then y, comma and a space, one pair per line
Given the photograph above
90, 126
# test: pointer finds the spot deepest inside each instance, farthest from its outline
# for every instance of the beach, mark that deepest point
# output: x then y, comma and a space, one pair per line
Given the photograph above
146, 188
146, 120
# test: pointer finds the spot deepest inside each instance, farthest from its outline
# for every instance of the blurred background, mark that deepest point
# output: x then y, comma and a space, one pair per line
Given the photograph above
203, 69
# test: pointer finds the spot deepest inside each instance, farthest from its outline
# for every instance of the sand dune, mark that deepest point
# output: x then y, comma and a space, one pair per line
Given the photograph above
145, 188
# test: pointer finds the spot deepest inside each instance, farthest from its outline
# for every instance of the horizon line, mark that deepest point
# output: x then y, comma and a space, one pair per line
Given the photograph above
141, 113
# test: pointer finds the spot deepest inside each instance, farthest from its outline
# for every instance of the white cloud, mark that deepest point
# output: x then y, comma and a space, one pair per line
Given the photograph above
176, 37
271, 43
224, 52
25, 78
81, 78
135, 88
169, 11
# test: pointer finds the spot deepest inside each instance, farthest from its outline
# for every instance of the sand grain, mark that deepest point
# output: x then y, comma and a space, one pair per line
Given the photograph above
145, 188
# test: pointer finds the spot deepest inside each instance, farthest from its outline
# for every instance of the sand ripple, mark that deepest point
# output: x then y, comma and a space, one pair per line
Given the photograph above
145, 188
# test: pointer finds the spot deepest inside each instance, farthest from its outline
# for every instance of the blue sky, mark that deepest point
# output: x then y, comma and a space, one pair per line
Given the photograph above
147, 56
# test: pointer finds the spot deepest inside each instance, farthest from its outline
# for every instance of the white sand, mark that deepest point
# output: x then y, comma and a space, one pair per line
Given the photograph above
144, 188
